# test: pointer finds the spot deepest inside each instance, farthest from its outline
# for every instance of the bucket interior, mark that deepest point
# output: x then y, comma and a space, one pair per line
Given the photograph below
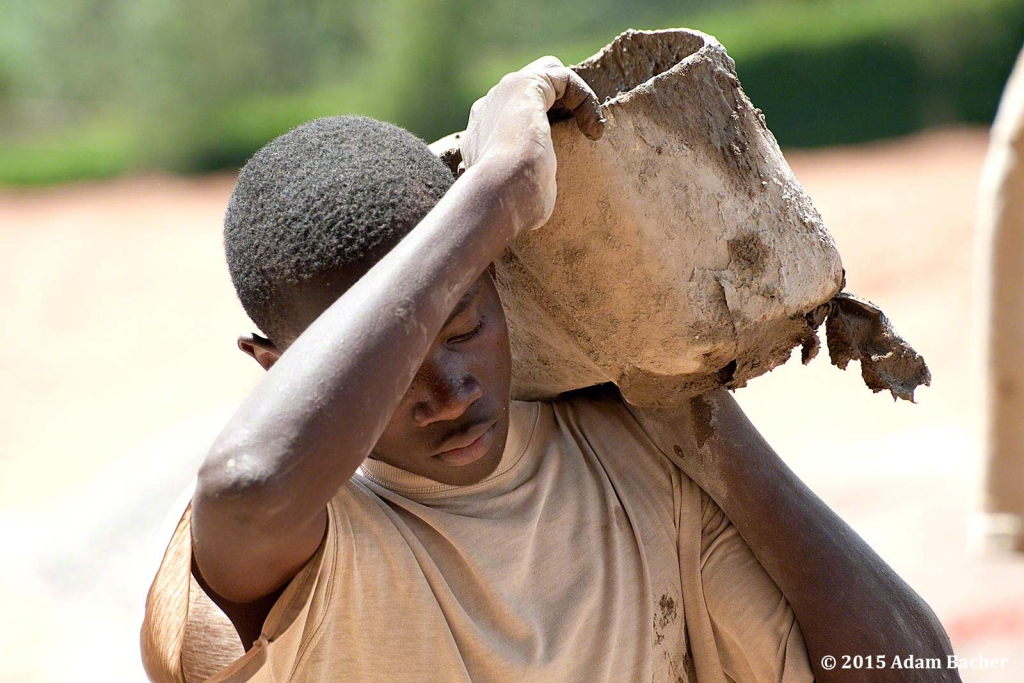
636, 57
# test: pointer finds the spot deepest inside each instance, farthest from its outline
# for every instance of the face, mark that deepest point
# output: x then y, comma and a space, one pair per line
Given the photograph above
452, 423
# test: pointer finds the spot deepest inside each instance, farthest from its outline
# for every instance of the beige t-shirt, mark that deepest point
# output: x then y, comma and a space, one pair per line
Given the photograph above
587, 556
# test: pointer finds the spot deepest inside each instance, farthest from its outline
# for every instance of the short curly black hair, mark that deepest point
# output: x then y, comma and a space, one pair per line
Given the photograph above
329, 197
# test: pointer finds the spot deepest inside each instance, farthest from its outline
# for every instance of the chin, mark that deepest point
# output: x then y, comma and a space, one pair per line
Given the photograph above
477, 471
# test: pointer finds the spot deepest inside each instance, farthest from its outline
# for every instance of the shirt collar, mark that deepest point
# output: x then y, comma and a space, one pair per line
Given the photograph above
521, 421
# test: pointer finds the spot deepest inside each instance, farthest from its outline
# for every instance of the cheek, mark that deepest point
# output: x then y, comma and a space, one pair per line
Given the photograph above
391, 439
501, 358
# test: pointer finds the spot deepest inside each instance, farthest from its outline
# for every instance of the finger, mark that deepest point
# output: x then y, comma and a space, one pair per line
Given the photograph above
544, 63
580, 98
575, 95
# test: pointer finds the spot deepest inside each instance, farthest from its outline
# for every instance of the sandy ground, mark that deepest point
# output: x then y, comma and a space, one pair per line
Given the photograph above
119, 366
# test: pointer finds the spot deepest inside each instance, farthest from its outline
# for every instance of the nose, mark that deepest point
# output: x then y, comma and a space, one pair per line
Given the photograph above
445, 395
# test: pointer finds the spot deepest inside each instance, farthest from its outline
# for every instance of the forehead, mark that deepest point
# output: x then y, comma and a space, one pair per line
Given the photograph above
466, 301
304, 302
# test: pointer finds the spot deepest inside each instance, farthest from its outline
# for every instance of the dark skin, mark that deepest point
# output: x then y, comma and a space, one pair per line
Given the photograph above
339, 387
847, 600
460, 394
461, 388
411, 365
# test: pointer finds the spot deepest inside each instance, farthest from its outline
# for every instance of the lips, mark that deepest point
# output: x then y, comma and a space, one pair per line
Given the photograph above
468, 446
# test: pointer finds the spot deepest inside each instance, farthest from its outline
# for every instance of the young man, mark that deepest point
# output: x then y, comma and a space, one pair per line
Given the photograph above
378, 510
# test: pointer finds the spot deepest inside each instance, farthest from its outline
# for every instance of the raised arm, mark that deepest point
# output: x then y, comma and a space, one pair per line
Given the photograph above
259, 512
847, 600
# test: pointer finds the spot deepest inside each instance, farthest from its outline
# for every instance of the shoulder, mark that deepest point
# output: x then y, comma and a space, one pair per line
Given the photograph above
188, 634
593, 407
599, 418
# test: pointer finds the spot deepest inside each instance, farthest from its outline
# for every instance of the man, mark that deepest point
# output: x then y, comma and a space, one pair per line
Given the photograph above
377, 509
1000, 294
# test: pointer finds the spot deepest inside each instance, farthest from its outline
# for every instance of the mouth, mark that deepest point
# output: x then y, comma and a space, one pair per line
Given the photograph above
469, 446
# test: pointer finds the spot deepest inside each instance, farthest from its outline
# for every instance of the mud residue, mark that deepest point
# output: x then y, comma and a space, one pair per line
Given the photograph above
748, 254
810, 344
667, 608
859, 330
636, 57
700, 416
665, 613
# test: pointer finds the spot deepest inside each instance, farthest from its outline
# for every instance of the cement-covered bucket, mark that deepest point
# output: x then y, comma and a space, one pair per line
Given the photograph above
682, 253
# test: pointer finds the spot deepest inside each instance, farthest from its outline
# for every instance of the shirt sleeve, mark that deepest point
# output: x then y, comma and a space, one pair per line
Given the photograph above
740, 626
755, 630
185, 637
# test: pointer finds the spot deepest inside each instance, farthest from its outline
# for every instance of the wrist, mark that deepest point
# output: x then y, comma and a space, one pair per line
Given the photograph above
521, 188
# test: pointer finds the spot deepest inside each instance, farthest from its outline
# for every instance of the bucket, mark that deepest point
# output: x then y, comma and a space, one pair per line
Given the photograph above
682, 254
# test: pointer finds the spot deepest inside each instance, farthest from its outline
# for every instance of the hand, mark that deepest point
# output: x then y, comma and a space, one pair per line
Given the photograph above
509, 126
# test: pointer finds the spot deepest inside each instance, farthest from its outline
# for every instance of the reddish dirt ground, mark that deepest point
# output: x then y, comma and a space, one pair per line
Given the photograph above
121, 365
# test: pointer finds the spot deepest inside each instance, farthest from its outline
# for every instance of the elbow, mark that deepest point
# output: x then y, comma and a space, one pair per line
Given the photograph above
925, 638
239, 491
247, 523
234, 470
920, 625
931, 633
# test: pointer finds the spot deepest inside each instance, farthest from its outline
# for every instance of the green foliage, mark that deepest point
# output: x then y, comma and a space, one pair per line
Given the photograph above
829, 72
93, 88
837, 72
101, 151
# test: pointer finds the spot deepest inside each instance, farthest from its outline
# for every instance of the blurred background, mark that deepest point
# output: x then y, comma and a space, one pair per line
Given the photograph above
122, 124
93, 88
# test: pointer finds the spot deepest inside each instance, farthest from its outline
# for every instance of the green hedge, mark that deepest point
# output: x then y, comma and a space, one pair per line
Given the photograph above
835, 73
86, 152
824, 72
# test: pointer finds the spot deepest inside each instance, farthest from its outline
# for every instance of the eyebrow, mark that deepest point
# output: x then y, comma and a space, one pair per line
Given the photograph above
463, 304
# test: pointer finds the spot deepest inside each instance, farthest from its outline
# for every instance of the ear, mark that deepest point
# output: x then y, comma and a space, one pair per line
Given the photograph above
260, 348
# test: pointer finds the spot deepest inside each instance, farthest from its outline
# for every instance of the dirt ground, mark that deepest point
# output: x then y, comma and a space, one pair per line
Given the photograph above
120, 366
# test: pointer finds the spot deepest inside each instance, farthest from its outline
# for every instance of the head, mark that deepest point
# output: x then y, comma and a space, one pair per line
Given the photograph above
311, 213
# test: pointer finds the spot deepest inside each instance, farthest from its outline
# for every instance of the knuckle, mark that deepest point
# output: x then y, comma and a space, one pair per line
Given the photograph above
510, 78
578, 82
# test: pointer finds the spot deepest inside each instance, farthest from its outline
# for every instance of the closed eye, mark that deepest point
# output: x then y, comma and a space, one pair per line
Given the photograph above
468, 335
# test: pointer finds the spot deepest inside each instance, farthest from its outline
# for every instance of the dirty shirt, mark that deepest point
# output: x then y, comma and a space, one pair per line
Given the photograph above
586, 556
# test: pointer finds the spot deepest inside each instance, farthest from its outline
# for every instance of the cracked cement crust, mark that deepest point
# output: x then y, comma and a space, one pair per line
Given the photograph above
682, 254
859, 330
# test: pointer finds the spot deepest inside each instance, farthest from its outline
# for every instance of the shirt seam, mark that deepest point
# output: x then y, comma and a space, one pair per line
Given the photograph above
306, 642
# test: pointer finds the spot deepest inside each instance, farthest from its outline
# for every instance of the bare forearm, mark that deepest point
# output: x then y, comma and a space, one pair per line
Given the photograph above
259, 512
322, 407
845, 597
